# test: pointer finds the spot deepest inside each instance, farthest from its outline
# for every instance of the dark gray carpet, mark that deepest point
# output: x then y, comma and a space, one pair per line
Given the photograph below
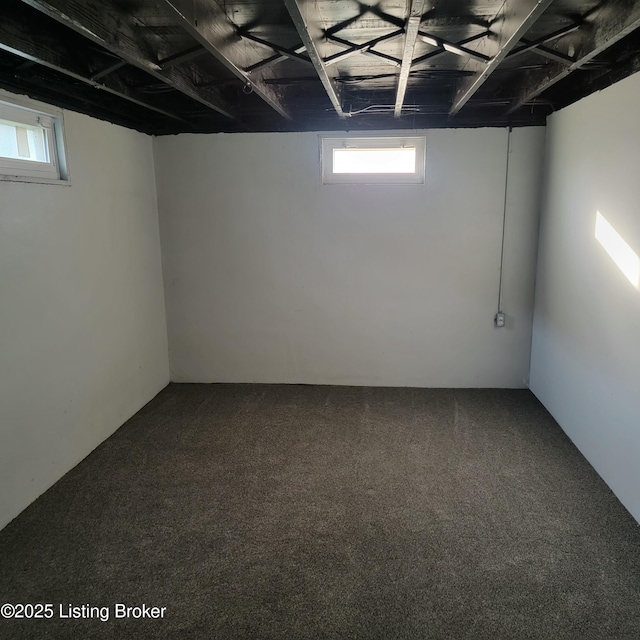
259, 512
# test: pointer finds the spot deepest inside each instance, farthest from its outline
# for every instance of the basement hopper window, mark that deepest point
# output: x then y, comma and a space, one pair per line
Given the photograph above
30, 141
388, 160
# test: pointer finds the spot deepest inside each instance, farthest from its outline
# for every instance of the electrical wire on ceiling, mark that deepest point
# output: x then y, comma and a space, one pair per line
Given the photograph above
424, 74
155, 88
408, 108
430, 74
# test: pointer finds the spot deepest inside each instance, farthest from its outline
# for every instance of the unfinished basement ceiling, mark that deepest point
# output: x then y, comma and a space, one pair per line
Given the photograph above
170, 66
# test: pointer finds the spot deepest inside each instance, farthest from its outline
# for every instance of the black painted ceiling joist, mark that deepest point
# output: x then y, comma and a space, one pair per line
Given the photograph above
609, 23
550, 54
287, 53
182, 56
363, 48
113, 30
185, 65
515, 18
274, 59
209, 25
107, 71
453, 47
538, 43
76, 99
460, 45
366, 51
35, 45
305, 17
416, 9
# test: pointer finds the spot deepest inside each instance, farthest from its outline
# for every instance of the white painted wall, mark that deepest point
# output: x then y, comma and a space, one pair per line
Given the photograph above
586, 340
272, 277
83, 340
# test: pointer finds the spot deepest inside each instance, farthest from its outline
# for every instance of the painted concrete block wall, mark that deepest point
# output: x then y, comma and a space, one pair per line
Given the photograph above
83, 340
586, 339
272, 277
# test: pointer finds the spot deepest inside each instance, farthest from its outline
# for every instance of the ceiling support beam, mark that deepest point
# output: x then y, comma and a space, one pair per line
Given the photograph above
550, 54
396, 62
452, 47
345, 55
460, 45
514, 19
109, 70
416, 9
307, 21
609, 23
287, 53
429, 20
209, 25
113, 30
182, 57
36, 45
274, 59
74, 98
336, 28
443, 46
532, 45
365, 47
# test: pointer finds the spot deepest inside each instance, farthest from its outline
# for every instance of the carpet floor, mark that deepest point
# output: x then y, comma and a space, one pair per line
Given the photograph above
286, 512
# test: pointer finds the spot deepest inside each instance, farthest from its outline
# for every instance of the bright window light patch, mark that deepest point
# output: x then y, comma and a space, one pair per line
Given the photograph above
22, 142
374, 160
359, 160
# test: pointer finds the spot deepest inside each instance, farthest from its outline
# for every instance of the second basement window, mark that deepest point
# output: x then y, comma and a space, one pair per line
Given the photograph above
31, 146
397, 160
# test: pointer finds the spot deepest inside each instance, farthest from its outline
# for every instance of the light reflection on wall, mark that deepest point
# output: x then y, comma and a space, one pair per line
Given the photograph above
621, 253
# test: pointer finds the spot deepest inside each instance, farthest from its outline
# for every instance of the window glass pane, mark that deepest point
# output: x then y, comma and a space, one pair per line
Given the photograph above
391, 160
23, 142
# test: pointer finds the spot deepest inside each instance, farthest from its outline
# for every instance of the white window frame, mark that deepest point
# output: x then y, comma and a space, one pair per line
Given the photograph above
22, 110
328, 144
